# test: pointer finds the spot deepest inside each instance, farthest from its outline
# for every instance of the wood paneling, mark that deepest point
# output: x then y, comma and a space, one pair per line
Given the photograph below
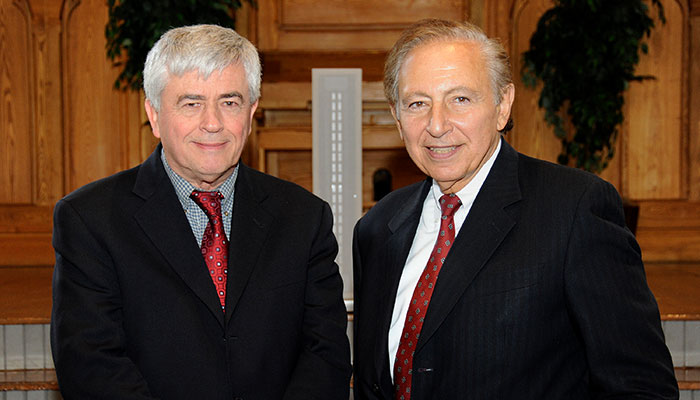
675, 287
62, 124
530, 135
295, 66
26, 249
344, 24
49, 155
654, 129
26, 296
16, 113
98, 118
694, 108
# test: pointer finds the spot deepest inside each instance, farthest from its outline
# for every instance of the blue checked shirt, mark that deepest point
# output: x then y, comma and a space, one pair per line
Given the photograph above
197, 218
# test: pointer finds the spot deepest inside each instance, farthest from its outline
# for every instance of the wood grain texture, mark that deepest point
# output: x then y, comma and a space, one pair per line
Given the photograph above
679, 245
295, 66
62, 124
694, 7
48, 155
688, 378
19, 218
694, 108
28, 379
344, 25
26, 295
16, 103
97, 117
675, 287
356, 14
530, 135
654, 129
26, 249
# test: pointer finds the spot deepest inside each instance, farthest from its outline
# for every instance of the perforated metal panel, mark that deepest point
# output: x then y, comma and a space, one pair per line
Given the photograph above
337, 154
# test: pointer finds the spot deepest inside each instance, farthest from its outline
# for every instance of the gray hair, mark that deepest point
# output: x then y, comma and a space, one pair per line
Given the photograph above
202, 48
435, 30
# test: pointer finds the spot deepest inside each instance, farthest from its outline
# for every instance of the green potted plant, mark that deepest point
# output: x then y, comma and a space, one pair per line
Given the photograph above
134, 26
585, 52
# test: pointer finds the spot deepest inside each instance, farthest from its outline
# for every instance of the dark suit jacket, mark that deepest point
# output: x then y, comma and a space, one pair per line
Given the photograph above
543, 295
136, 316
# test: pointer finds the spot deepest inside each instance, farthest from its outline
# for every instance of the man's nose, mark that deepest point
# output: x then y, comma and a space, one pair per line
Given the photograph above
211, 120
439, 123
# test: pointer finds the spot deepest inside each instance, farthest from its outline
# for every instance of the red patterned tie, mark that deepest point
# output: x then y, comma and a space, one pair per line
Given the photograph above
403, 365
214, 244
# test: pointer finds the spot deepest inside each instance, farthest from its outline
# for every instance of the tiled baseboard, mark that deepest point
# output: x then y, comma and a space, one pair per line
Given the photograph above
686, 395
28, 347
30, 395
25, 347
683, 340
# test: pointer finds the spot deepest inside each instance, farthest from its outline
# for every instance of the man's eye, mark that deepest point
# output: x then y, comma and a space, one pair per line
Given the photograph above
416, 104
230, 103
191, 105
462, 99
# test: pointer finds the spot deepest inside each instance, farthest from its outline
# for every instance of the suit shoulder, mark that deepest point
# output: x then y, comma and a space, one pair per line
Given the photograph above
534, 172
286, 190
103, 189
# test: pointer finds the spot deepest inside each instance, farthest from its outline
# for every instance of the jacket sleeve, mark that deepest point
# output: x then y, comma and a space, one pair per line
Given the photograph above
87, 336
323, 368
612, 305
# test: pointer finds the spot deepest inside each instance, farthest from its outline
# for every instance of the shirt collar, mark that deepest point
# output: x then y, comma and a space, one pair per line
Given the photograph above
183, 188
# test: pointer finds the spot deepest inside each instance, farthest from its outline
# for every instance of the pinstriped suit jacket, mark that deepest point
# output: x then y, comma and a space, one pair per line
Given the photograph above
543, 295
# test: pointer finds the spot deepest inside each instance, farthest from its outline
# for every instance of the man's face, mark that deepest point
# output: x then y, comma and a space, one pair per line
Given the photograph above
204, 123
446, 111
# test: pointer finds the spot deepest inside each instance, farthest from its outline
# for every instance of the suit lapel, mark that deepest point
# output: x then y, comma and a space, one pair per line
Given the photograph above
482, 232
250, 225
162, 219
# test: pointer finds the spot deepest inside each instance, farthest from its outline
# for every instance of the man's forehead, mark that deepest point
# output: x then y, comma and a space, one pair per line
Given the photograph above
226, 81
446, 51
454, 64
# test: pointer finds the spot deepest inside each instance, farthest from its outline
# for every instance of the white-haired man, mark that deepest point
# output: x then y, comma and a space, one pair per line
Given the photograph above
501, 276
192, 276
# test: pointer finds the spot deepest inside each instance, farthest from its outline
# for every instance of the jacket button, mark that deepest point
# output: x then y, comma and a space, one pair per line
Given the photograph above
375, 388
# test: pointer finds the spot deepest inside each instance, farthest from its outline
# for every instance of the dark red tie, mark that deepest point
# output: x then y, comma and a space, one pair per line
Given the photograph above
403, 365
214, 243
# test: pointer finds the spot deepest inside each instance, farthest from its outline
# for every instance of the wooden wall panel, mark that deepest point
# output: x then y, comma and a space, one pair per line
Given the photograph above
16, 111
694, 108
49, 160
344, 24
97, 122
654, 128
530, 135
335, 14
62, 125
695, 7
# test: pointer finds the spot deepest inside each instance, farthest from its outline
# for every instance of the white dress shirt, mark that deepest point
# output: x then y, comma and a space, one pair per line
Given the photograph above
423, 244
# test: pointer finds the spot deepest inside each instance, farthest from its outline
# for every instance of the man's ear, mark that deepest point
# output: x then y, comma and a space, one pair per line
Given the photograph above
253, 107
394, 114
505, 106
152, 118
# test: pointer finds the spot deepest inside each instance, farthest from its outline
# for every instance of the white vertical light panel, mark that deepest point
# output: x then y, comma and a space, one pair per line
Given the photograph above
337, 154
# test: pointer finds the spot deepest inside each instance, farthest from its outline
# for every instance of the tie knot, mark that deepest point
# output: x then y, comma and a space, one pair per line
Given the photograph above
209, 202
449, 203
